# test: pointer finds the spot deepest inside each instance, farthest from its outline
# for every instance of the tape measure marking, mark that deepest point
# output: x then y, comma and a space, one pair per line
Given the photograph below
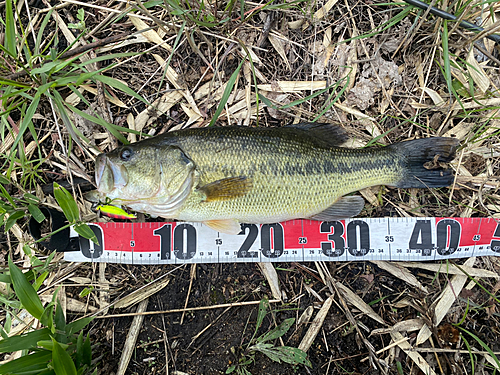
396, 239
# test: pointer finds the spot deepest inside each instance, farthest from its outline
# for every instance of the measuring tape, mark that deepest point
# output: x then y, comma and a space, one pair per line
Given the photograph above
391, 239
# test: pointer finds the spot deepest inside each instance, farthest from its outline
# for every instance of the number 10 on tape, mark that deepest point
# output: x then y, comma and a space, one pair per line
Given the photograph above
396, 239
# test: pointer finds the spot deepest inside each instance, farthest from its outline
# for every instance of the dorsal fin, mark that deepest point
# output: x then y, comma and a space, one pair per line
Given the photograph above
333, 135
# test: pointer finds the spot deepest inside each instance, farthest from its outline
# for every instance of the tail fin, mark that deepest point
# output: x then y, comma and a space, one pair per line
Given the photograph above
422, 160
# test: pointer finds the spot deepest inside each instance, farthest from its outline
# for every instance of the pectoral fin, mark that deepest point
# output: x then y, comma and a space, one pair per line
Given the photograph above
228, 226
343, 208
226, 188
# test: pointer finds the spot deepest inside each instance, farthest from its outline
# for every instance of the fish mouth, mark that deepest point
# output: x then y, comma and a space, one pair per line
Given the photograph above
100, 165
108, 175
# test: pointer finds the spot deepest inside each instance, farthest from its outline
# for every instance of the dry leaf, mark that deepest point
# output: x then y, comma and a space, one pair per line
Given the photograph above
293, 86
173, 77
74, 99
142, 293
423, 335
150, 35
359, 115
401, 273
450, 293
321, 12
416, 357
280, 46
460, 131
356, 301
159, 107
450, 269
272, 278
294, 25
435, 97
477, 73
131, 125
316, 325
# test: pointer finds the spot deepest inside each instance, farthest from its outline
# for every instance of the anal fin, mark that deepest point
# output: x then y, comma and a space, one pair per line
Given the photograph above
228, 226
343, 208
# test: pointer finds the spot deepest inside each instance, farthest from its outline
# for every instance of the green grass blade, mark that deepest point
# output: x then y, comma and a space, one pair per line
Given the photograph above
6, 195
328, 104
263, 307
77, 325
45, 67
446, 57
87, 351
386, 25
85, 231
286, 354
40, 34
79, 350
25, 291
111, 56
61, 361
267, 102
25, 341
120, 86
309, 97
285, 5
47, 318
9, 223
73, 130
36, 213
252, 68
278, 331
471, 355
483, 344
67, 203
10, 28
7, 325
9, 82
174, 49
27, 363
261, 314
227, 92
29, 115
113, 129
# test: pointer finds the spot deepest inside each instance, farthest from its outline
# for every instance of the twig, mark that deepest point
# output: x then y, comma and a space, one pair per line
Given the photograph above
460, 351
193, 273
189, 309
395, 343
132, 336
145, 286
165, 343
437, 357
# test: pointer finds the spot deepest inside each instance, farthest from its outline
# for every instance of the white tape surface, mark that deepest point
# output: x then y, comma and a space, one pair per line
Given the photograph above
393, 239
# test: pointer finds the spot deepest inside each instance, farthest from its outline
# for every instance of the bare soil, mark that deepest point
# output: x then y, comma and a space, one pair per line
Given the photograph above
395, 78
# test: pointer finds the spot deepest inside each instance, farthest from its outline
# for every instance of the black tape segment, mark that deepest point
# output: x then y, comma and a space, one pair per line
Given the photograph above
59, 241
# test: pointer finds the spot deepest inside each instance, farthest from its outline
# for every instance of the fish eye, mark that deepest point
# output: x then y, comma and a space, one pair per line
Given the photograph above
126, 154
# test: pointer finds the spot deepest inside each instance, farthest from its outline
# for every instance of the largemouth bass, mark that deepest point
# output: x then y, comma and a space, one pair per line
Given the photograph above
230, 175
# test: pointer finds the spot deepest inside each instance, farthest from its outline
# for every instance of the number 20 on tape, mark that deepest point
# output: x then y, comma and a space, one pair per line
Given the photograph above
397, 239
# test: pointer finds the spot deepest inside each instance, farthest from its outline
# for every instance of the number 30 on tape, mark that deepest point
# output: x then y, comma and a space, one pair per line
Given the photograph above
396, 239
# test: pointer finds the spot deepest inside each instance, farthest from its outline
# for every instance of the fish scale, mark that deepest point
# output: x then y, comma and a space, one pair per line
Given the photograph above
283, 192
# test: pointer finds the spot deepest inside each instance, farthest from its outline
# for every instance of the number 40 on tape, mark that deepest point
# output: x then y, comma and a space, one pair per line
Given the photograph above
396, 239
